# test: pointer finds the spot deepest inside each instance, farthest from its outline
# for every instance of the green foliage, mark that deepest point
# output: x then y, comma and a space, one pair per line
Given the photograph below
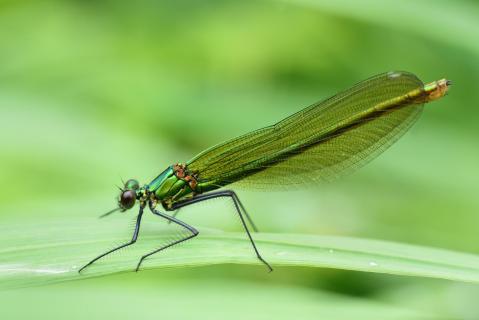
44, 255
195, 298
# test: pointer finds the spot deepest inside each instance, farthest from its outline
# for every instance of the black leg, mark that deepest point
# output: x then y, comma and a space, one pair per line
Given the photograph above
253, 226
193, 231
250, 221
133, 240
174, 215
238, 206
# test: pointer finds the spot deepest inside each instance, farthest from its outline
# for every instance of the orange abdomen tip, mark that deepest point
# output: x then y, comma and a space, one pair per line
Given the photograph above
436, 89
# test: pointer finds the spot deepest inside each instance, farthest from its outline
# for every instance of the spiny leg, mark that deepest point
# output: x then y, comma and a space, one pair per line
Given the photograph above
133, 240
230, 194
193, 231
248, 217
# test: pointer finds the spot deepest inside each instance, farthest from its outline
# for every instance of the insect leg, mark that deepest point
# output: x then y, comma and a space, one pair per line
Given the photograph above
174, 215
253, 226
248, 217
238, 206
193, 231
133, 240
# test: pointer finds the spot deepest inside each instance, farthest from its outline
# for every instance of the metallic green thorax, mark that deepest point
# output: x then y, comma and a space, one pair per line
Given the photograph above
174, 184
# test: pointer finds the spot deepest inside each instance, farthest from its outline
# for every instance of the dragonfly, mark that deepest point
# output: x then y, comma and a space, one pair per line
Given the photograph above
319, 143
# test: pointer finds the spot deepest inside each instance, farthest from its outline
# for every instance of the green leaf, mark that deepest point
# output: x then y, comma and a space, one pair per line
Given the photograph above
43, 253
122, 297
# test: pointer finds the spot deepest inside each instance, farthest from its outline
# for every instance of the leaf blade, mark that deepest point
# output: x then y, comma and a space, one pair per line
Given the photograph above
39, 258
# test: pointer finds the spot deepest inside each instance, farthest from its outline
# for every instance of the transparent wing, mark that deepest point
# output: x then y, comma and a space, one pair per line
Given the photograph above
308, 147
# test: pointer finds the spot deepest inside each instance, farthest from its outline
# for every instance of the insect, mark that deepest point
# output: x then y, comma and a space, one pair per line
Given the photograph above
316, 144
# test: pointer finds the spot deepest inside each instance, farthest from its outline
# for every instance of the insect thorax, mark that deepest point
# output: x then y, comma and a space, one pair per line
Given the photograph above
174, 184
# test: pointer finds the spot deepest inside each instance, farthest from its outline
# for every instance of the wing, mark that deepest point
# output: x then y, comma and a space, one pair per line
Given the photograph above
318, 143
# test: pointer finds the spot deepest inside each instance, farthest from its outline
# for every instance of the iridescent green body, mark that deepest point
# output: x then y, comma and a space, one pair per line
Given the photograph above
168, 188
167, 185
317, 143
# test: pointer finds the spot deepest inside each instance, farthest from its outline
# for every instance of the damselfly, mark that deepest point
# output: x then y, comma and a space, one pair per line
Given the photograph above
316, 144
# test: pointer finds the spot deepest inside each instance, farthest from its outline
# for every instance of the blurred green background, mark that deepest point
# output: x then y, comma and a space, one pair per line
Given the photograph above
91, 92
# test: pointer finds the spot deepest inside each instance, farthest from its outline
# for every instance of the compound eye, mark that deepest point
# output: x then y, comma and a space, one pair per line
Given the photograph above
132, 184
127, 199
